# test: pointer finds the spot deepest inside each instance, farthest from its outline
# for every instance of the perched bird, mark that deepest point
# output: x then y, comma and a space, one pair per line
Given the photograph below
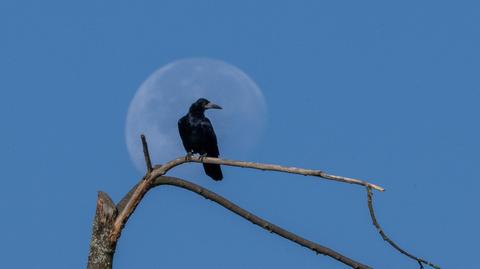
198, 135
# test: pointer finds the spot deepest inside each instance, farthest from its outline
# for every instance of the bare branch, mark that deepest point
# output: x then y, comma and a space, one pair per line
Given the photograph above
146, 154
121, 205
128, 204
162, 169
154, 177
135, 198
164, 180
386, 238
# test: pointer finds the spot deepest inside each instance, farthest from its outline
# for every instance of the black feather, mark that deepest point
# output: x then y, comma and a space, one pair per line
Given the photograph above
213, 170
198, 135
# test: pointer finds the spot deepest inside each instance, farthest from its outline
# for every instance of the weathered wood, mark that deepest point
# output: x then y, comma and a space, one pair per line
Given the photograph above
270, 227
110, 219
102, 248
146, 154
131, 204
164, 168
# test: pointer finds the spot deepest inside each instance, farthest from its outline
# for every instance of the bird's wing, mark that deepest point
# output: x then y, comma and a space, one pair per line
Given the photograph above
183, 130
210, 145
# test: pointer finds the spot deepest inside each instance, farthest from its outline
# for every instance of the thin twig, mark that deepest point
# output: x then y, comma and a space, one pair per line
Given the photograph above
162, 169
386, 238
146, 154
165, 180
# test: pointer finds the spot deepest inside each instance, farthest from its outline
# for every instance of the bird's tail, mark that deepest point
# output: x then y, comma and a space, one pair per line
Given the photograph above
213, 170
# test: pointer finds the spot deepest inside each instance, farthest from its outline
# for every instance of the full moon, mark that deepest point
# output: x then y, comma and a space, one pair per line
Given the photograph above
167, 94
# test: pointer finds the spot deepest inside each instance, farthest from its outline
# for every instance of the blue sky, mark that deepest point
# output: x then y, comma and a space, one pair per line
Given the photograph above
377, 90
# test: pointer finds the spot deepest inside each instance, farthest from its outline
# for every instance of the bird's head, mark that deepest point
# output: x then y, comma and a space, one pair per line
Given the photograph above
201, 105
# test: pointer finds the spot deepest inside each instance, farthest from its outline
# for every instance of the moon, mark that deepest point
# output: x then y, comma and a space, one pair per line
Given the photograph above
166, 95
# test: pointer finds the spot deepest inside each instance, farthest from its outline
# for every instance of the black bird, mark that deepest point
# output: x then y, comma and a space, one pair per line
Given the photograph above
198, 135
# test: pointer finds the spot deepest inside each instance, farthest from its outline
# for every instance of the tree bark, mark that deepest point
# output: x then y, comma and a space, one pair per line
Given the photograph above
102, 248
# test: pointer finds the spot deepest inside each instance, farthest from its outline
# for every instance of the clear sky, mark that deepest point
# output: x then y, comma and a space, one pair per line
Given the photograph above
387, 92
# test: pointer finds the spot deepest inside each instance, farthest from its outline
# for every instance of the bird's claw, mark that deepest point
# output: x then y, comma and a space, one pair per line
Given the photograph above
202, 156
189, 155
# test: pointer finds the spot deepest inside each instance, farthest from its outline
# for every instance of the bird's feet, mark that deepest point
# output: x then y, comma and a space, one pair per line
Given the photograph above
189, 155
202, 156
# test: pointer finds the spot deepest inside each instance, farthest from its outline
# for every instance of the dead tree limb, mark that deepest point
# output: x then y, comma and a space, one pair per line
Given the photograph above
387, 239
106, 248
272, 228
162, 169
111, 226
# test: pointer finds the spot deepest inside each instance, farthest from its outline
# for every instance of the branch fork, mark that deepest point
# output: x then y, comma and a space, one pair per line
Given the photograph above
110, 219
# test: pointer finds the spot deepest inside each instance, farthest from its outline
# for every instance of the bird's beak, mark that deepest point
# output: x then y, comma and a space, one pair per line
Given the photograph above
212, 105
